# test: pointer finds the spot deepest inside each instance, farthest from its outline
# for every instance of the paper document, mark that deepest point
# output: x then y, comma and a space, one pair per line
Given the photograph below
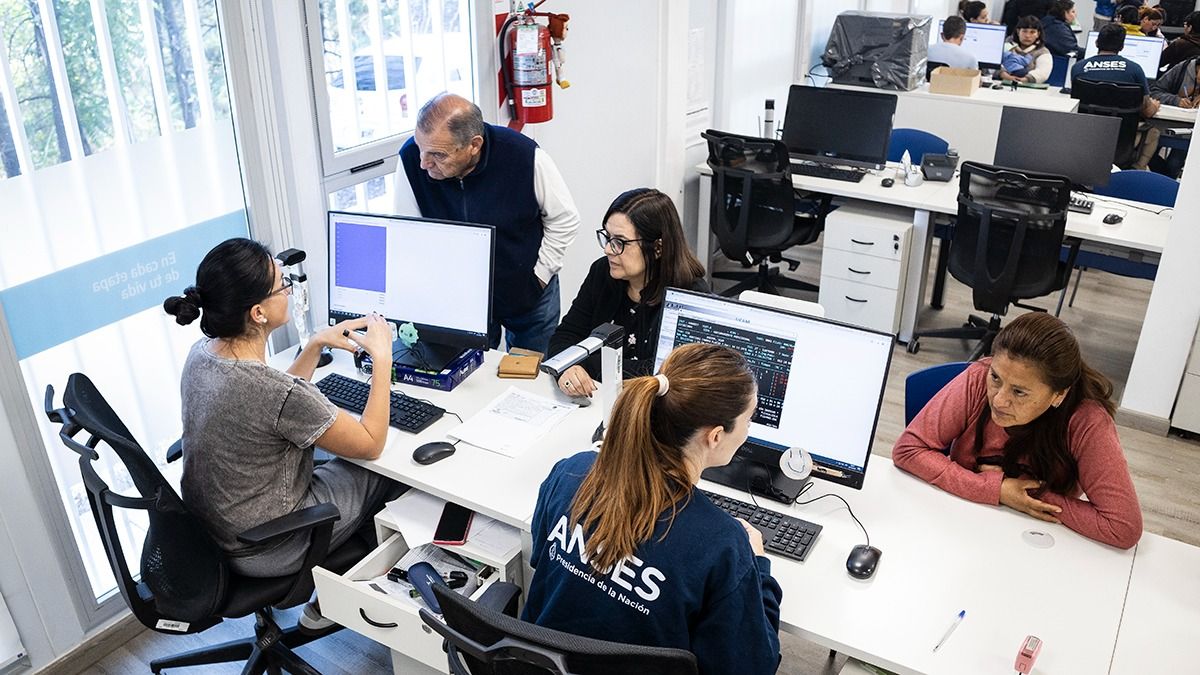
416, 515
512, 422
492, 537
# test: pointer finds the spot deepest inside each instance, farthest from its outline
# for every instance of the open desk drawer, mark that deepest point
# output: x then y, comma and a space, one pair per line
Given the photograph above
382, 618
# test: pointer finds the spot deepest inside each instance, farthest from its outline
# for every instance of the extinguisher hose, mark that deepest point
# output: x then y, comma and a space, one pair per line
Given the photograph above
504, 70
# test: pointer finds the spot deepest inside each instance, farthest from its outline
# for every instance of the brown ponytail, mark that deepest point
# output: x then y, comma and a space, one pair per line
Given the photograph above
642, 470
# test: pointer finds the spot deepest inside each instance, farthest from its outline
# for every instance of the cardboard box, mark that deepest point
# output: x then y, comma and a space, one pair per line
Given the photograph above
955, 81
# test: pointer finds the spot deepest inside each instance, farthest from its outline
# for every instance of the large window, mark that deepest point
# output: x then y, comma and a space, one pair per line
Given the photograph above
119, 172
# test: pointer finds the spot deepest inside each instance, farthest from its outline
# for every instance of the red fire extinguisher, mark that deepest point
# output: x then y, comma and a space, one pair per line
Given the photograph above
528, 51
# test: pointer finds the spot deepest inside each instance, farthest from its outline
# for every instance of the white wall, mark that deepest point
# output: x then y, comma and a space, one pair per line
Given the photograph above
756, 61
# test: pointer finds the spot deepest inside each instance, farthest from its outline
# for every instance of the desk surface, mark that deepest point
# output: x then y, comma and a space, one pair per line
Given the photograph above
1160, 630
1171, 113
1050, 98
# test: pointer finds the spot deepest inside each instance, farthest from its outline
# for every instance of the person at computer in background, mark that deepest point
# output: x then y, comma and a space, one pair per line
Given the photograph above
1109, 66
1056, 29
626, 548
249, 429
1127, 18
1178, 86
459, 168
1026, 59
1185, 46
949, 49
1149, 21
973, 11
1030, 428
645, 252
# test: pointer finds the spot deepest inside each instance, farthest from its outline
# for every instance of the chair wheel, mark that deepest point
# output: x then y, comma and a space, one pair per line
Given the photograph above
914, 346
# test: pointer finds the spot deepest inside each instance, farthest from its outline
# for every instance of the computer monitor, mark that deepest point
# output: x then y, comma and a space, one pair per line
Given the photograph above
984, 40
1144, 51
838, 126
1078, 146
434, 274
820, 385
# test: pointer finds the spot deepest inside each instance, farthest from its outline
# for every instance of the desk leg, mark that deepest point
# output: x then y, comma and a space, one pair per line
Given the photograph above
703, 227
918, 266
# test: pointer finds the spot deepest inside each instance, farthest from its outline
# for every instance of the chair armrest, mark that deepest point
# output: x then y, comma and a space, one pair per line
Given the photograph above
175, 451
501, 597
296, 521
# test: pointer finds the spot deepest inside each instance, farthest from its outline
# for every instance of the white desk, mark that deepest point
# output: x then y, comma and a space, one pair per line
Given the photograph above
1171, 113
1160, 631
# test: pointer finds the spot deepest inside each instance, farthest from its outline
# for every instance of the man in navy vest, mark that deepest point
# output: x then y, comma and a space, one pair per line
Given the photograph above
460, 168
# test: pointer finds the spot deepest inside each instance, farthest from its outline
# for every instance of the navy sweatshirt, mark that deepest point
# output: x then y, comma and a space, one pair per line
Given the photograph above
499, 192
701, 589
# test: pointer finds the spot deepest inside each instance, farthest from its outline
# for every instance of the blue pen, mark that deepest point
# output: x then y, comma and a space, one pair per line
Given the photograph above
950, 630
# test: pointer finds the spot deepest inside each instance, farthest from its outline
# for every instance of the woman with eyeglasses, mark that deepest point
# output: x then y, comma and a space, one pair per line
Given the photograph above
1030, 428
249, 430
644, 254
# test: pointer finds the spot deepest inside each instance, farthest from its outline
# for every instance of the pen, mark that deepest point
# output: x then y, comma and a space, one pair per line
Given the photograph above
950, 630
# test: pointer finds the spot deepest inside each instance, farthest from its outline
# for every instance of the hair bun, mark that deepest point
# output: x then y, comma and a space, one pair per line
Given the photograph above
185, 308
192, 294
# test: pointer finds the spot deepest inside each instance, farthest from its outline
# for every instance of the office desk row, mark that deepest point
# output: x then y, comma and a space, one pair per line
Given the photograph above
941, 555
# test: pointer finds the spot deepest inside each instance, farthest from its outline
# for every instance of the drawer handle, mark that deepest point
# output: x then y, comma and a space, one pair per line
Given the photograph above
858, 271
377, 624
850, 299
862, 243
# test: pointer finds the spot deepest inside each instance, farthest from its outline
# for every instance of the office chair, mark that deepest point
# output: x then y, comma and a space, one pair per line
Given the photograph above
921, 385
1009, 232
1058, 74
916, 142
754, 211
185, 584
1114, 100
486, 638
931, 66
1138, 186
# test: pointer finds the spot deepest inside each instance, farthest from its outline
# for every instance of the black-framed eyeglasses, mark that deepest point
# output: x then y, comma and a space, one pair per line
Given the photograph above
285, 287
617, 244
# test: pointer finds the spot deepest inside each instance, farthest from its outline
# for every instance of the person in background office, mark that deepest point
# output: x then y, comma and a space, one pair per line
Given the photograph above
1149, 21
1026, 59
625, 548
1030, 428
249, 429
1015, 10
974, 11
644, 253
1127, 18
1105, 10
1056, 27
1178, 86
1109, 66
1185, 46
949, 49
459, 168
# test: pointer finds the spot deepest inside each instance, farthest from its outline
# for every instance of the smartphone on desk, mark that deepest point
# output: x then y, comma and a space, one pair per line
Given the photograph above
453, 526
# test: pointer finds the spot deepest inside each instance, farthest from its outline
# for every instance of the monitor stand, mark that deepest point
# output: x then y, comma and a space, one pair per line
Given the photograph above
425, 355
751, 475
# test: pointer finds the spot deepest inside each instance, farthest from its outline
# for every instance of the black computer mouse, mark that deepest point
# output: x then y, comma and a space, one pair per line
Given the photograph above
997, 86
888, 182
433, 452
1113, 218
862, 561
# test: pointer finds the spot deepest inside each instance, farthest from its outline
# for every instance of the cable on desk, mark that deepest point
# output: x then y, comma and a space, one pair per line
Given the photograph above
839, 497
807, 486
1126, 205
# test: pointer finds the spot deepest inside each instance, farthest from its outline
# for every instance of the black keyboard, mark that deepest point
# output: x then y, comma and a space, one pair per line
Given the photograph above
823, 171
1080, 205
782, 535
407, 413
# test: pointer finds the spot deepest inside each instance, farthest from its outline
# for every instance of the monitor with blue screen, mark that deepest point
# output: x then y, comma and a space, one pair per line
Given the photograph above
984, 40
1144, 51
820, 383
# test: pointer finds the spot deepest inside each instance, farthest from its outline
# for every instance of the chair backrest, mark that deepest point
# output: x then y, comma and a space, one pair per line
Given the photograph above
1114, 99
783, 302
921, 385
1008, 235
931, 66
497, 644
1058, 74
183, 572
1141, 186
753, 203
916, 142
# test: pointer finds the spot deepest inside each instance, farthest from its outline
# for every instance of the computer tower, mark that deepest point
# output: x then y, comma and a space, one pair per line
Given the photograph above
877, 49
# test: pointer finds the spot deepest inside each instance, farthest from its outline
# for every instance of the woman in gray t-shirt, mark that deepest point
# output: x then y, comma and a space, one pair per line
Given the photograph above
249, 429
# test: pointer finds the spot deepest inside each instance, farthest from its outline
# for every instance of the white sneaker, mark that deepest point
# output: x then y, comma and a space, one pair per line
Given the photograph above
311, 620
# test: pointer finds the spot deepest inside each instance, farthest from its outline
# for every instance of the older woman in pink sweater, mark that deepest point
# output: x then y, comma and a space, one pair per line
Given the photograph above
1030, 428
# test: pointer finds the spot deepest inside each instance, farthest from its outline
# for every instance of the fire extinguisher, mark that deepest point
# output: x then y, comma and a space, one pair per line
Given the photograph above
528, 51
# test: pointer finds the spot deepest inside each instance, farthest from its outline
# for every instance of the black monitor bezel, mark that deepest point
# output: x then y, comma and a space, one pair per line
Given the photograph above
854, 160
769, 457
440, 335
1022, 126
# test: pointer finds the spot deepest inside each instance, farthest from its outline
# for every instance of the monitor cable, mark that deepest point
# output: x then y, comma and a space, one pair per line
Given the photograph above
775, 493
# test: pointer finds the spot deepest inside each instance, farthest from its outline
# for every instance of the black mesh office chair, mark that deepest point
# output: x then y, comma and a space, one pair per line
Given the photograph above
486, 638
754, 211
1007, 239
185, 585
1114, 100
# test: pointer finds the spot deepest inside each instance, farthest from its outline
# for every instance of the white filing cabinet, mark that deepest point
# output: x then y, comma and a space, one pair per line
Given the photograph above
864, 262
1187, 405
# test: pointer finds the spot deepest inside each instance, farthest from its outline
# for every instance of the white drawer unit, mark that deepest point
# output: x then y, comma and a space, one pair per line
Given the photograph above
391, 621
1187, 404
864, 261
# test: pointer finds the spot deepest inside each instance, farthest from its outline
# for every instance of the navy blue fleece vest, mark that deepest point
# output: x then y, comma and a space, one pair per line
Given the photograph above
498, 192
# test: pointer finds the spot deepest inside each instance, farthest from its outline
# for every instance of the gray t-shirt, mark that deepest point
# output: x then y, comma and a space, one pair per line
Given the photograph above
248, 431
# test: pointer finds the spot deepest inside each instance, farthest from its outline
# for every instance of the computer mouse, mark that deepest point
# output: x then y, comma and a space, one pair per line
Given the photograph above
433, 452
888, 182
862, 561
1113, 219
997, 86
